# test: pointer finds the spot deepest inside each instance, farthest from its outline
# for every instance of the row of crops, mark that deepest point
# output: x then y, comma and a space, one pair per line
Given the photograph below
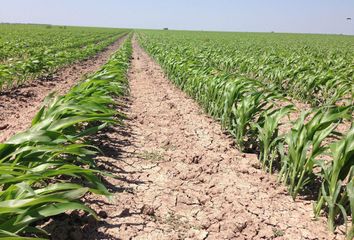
318, 69
249, 83
28, 51
47, 169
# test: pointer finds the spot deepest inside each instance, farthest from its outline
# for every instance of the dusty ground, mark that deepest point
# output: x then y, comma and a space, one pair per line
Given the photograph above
18, 106
179, 176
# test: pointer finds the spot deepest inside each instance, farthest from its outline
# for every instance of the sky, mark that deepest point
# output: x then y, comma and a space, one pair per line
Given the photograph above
303, 16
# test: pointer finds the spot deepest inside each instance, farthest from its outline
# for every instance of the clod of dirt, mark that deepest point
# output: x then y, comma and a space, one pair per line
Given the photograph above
148, 210
125, 212
3, 127
171, 105
197, 234
196, 159
256, 165
166, 143
102, 214
240, 226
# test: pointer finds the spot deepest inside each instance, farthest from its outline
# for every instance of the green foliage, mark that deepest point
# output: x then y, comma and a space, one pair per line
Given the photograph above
28, 51
304, 144
333, 195
269, 137
38, 167
315, 68
245, 80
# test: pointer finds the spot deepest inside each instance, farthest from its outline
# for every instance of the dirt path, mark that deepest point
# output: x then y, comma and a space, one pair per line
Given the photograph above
179, 176
18, 106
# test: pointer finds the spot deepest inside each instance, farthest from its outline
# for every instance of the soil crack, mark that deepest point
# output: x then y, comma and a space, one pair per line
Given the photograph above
217, 202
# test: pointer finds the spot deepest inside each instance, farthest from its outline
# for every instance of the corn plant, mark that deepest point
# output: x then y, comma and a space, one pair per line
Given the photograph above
249, 112
304, 142
350, 190
38, 167
268, 134
341, 169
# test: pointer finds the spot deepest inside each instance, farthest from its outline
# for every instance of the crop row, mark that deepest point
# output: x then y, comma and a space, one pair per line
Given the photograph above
45, 170
317, 69
19, 40
312, 151
34, 61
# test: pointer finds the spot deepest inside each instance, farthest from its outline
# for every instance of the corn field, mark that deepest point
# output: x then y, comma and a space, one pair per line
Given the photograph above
287, 98
27, 52
252, 83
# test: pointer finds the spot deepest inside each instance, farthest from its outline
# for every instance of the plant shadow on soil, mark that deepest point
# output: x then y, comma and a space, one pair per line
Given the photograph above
79, 225
24, 90
309, 193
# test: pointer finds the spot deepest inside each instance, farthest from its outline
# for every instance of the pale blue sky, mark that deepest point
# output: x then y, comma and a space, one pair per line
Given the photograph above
309, 16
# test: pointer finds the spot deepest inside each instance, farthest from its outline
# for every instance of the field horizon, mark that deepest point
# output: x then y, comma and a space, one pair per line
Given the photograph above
120, 133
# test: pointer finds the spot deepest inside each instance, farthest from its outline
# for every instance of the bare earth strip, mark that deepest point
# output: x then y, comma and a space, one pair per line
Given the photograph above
179, 176
19, 105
